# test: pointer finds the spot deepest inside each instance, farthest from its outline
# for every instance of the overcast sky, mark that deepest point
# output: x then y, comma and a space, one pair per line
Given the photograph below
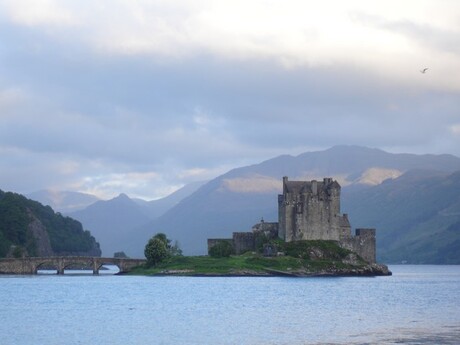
141, 97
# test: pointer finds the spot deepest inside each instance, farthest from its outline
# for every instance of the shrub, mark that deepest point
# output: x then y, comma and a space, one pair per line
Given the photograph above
317, 249
221, 249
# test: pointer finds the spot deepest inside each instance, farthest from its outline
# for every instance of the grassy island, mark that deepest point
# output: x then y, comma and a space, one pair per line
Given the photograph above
302, 258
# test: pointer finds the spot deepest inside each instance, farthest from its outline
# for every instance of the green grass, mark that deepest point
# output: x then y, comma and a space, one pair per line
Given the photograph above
301, 257
209, 265
246, 264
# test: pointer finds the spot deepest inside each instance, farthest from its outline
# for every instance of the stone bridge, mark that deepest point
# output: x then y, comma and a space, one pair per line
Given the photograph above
31, 265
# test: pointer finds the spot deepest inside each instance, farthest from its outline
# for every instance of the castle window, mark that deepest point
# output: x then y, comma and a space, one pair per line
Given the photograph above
298, 208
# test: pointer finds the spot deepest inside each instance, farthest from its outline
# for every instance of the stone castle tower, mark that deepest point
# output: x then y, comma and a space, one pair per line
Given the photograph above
310, 210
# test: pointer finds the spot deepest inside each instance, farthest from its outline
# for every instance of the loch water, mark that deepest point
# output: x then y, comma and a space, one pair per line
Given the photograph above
417, 305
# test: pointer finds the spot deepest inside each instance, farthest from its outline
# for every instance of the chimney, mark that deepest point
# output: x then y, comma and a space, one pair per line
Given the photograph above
285, 179
314, 187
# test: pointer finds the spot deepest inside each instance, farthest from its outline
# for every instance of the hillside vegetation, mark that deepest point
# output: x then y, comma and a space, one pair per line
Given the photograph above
31, 229
417, 217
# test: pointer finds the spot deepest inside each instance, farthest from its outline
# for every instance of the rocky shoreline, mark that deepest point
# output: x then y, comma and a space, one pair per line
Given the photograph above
370, 270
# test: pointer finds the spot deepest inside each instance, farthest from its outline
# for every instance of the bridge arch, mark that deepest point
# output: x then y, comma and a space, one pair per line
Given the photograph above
123, 264
106, 261
76, 262
46, 264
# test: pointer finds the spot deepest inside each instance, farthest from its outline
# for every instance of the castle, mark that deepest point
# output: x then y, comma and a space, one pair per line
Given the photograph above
307, 210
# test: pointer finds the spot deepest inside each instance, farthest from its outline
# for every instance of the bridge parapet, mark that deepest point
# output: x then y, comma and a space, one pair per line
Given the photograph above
30, 265
17, 266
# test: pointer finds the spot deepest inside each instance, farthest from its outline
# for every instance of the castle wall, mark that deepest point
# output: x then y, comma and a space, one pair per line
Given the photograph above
282, 213
363, 244
243, 242
268, 229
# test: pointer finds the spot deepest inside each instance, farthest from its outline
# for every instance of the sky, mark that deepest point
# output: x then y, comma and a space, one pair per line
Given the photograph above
142, 97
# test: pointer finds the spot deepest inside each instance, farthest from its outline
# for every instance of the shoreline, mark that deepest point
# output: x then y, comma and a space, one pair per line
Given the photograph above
373, 270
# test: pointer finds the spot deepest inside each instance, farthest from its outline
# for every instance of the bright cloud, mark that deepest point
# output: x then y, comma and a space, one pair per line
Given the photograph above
145, 96
391, 39
44, 13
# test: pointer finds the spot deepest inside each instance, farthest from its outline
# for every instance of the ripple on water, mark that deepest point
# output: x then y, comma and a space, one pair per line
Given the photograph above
417, 305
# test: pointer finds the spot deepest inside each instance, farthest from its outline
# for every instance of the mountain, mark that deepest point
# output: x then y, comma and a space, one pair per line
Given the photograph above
31, 229
417, 216
114, 221
63, 201
347, 164
156, 208
240, 198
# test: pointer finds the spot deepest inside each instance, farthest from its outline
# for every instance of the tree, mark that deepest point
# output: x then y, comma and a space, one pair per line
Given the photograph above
162, 237
155, 251
121, 255
222, 249
159, 248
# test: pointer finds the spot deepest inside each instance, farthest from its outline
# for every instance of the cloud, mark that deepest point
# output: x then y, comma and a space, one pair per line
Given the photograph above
43, 13
383, 39
142, 97
138, 183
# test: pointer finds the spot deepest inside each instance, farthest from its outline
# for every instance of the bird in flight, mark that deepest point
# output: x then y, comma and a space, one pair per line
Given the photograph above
423, 70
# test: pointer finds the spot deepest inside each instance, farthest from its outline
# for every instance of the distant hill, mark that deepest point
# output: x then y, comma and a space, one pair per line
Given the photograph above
63, 201
155, 208
114, 221
417, 216
31, 229
240, 198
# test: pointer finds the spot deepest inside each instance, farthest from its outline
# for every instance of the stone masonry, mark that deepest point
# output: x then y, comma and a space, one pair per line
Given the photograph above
30, 265
311, 211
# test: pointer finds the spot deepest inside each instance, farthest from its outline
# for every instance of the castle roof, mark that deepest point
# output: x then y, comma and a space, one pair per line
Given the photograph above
335, 184
297, 186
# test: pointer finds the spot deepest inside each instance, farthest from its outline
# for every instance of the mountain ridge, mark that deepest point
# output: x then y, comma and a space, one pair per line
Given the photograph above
63, 201
109, 219
215, 210
239, 198
114, 221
